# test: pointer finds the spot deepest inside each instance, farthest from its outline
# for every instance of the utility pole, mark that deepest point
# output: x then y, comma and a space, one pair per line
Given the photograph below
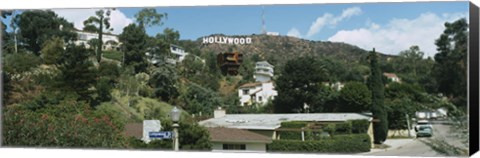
408, 125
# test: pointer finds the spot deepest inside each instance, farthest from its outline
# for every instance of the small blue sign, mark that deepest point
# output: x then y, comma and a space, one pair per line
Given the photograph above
161, 134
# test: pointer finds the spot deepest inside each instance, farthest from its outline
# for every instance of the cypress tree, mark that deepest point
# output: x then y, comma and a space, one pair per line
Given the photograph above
376, 86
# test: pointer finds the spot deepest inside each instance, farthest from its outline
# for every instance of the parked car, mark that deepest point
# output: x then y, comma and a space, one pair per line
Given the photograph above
421, 123
425, 131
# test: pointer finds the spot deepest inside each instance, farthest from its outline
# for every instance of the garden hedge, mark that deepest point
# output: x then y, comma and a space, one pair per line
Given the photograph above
343, 128
360, 126
349, 127
353, 143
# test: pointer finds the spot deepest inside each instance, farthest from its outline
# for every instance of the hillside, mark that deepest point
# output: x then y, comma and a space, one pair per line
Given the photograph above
137, 108
278, 49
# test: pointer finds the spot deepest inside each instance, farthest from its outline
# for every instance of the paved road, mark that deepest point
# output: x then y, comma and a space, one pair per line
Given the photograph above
415, 148
419, 147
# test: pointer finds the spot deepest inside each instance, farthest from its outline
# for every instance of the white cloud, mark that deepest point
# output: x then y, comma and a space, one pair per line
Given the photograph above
294, 33
349, 12
118, 20
331, 20
399, 34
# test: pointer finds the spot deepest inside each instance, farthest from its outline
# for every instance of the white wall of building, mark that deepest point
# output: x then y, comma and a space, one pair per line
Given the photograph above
179, 53
250, 147
262, 78
245, 97
150, 126
84, 37
263, 71
263, 93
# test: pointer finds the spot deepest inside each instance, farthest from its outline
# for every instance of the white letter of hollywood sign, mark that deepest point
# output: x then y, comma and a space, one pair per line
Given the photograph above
227, 40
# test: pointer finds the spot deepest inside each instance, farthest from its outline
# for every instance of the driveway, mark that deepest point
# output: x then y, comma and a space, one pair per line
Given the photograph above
423, 146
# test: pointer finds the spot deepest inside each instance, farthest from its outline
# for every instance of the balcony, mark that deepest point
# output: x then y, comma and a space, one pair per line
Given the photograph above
264, 72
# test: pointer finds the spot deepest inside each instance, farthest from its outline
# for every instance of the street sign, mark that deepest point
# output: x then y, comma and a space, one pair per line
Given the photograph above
161, 134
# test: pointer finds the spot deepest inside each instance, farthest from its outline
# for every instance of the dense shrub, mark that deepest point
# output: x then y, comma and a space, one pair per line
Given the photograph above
330, 128
160, 144
360, 126
343, 128
68, 124
349, 127
154, 144
353, 143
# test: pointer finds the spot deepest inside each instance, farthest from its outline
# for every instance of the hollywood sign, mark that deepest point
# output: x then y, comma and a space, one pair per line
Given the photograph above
227, 40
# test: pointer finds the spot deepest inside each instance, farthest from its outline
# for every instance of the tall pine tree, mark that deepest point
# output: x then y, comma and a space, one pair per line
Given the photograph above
376, 86
98, 24
450, 69
78, 75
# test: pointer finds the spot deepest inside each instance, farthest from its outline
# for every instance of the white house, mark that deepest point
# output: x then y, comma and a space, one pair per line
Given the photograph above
263, 71
270, 124
178, 52
392, 77
257, 92
110, 41
260, 91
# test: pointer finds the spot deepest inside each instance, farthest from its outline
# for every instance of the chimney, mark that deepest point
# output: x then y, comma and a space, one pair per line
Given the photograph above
219, 112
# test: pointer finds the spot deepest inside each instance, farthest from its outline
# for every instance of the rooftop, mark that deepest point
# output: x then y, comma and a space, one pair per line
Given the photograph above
232, 135
273, 121
248, 85
390, 75
264, 63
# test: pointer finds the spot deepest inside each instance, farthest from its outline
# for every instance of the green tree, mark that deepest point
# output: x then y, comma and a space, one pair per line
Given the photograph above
450, 69
246, 70
192, 135
3, 27
169, 35
148, 17
162, 42
98, 24
325, 100
134, 42
412, 68
20, 62
404, 90
78, 75
376, 86
191, 67
397, 110
298, 84
38, 26
355, 97
52, 51
163, 80
199, 99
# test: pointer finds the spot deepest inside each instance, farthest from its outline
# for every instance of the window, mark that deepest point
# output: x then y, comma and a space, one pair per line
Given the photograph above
245, 104
234, 147
245, 92
82, 37
260, 98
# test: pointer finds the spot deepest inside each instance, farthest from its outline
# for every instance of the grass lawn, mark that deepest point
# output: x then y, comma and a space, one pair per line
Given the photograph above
114, 55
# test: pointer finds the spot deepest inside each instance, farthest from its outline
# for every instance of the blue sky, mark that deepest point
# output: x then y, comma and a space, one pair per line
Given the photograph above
194, 22
389, 27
